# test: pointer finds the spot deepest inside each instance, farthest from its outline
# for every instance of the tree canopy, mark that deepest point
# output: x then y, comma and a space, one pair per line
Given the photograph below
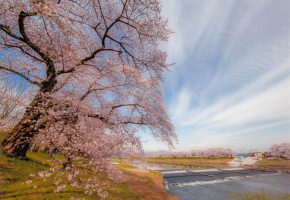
96, 67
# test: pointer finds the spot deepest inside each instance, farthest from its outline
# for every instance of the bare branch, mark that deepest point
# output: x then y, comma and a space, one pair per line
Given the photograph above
11, 104
21, 75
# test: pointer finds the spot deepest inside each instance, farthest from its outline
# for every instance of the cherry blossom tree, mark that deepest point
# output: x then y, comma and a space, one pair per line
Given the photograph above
95, 70
96, 66
281, 150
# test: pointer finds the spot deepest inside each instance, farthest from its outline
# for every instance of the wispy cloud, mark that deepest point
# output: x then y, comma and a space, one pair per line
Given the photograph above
232, 77
181, 105
268, 98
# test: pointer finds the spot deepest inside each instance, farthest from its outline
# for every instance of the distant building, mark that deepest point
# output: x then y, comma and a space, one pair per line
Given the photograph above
241, 155
259, 155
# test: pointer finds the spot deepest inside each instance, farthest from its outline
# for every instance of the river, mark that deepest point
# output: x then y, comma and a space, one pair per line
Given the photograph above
219, 184
230, 187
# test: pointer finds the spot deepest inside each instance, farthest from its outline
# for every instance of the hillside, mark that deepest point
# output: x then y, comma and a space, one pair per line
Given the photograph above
16, 175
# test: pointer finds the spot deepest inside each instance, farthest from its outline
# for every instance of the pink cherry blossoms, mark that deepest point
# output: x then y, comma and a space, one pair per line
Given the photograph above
280, 150
208, 153
96, 69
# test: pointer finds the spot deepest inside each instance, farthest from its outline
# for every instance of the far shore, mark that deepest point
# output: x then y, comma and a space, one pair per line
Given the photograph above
266, 164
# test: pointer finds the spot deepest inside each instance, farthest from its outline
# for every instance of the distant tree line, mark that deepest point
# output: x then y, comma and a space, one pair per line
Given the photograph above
208, 153
276, 151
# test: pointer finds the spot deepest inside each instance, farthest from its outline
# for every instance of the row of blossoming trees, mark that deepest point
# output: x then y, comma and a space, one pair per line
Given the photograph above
208, 153
276, 151
95, 71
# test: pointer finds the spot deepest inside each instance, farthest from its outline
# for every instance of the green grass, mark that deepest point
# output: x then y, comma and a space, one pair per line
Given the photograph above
121, 165
274, 164
192, 162
134, 185
14, 174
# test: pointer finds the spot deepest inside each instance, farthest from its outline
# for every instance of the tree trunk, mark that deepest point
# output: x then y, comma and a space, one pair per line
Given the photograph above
20, 138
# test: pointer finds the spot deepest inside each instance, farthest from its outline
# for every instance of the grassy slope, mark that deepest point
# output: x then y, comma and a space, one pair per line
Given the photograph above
13, 174
147, 184
136, 184
274, 164
193, 162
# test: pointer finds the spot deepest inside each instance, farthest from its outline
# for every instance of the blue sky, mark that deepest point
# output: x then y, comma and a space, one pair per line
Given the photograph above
230, 86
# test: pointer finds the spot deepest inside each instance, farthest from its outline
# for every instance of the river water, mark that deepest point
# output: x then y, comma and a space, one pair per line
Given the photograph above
229, 188
214, 184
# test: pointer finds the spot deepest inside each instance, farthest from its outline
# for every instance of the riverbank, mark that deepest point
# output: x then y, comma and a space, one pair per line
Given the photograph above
192, 162
146, 183
276, 165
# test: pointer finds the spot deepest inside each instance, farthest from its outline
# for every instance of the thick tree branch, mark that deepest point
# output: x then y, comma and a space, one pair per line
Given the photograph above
50, 69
